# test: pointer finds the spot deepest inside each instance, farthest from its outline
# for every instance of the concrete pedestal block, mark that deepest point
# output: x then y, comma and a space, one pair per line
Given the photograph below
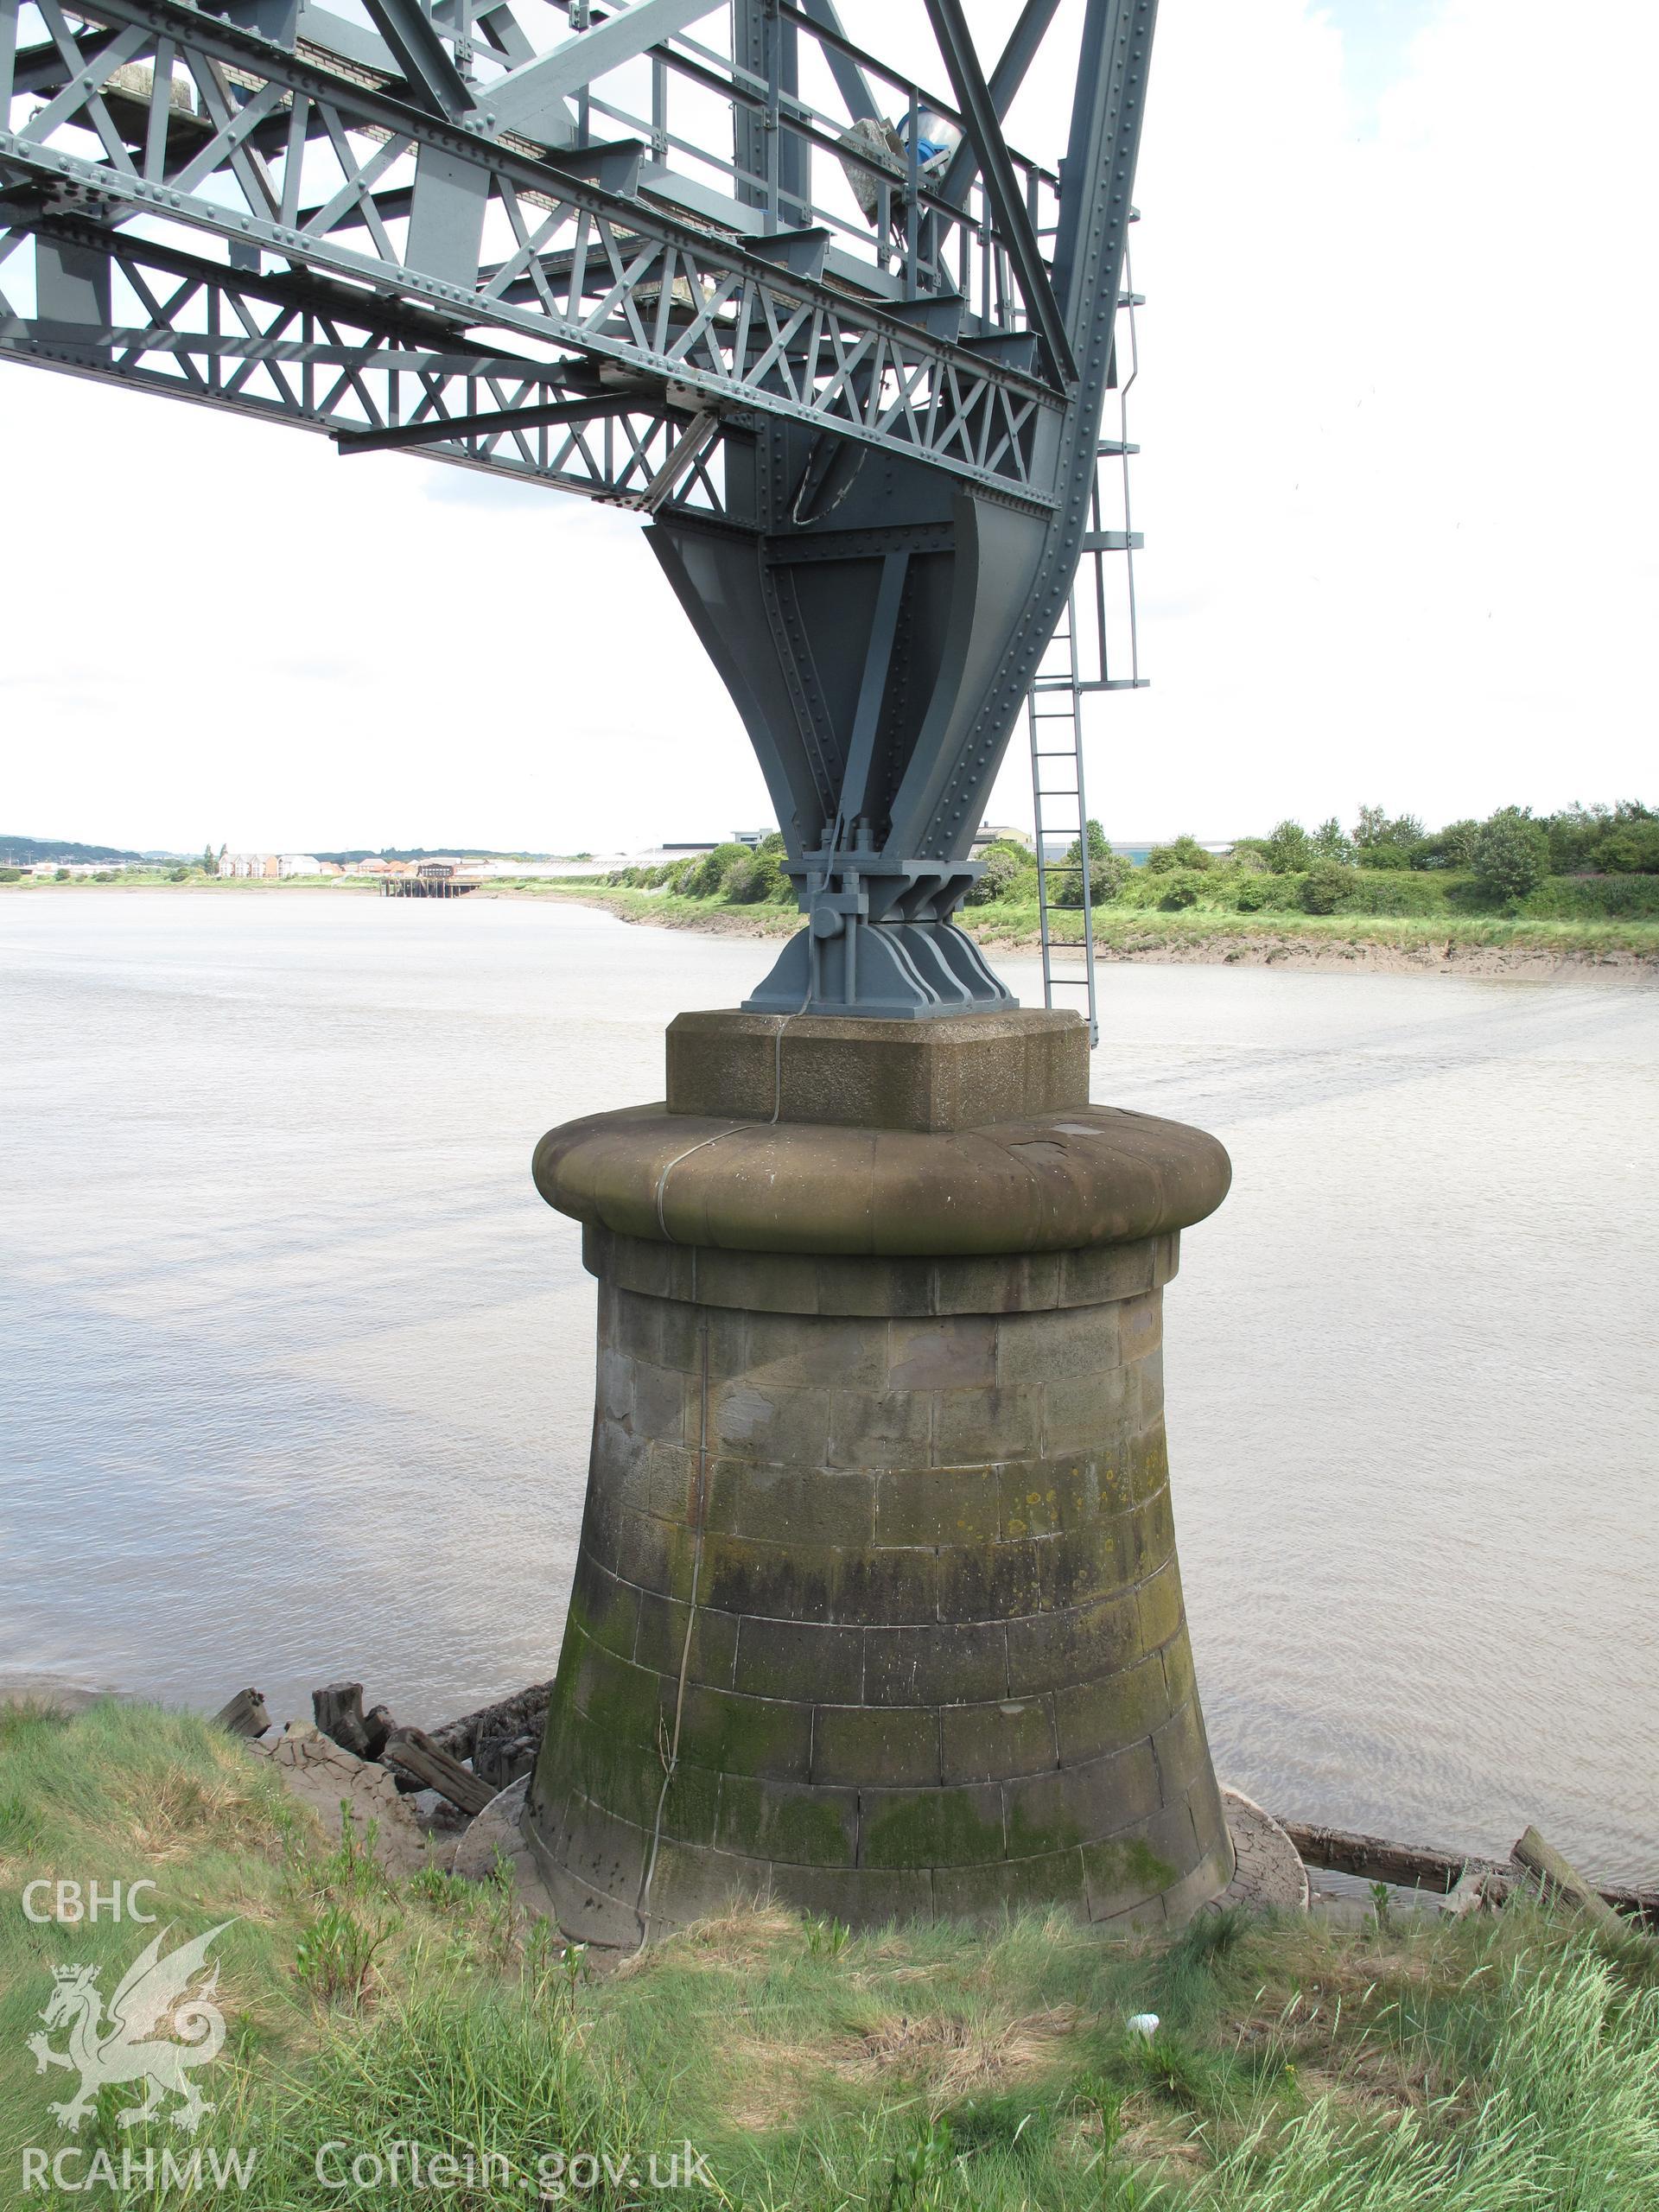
877, 1607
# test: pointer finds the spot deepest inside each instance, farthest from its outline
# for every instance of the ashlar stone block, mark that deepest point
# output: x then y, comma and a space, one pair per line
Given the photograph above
877, 1569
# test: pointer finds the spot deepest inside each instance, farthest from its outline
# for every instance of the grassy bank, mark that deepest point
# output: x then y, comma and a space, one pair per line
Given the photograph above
1441, 938
1212, 933
1495, 2065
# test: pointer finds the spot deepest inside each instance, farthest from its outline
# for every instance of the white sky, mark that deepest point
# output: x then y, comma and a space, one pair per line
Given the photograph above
1398, 489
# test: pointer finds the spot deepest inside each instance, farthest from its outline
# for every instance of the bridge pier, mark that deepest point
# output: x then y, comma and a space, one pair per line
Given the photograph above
877, 1607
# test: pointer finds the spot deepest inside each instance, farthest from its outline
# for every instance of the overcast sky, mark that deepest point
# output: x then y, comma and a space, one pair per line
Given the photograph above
1398, 489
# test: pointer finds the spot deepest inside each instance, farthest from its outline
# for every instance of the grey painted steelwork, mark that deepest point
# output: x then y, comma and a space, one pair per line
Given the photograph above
700, 257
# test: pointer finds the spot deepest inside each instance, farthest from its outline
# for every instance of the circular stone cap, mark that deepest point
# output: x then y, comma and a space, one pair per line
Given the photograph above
1091, 1175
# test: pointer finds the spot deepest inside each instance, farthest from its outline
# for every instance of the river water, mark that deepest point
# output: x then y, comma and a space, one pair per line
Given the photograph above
296, 1368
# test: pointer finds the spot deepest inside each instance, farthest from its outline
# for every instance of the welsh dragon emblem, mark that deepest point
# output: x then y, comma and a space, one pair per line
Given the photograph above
153, 2003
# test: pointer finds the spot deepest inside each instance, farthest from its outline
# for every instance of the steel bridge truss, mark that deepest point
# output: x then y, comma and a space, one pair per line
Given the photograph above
410, 238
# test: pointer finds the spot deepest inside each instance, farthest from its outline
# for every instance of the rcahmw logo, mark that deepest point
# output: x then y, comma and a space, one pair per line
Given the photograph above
71, 2171
158, 2029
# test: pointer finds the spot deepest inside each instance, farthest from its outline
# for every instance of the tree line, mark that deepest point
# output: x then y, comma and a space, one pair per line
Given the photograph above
1504, 858
1384, 863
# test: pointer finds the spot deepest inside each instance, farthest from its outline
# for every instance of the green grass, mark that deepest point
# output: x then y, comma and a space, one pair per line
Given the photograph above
1121, 931
1131, 931
1496, 2065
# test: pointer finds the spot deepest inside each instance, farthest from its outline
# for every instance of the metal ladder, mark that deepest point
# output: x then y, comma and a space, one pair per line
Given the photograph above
1072, 664
1054, 717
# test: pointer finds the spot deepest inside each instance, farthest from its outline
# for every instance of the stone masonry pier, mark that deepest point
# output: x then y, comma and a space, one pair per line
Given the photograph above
877, 1607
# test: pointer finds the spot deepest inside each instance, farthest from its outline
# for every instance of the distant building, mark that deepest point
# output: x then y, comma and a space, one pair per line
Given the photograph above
298, 864
250, 864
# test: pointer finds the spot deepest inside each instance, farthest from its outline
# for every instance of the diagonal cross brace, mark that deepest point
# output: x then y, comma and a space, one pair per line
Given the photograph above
520, 99
427, 66
1007, 78
1018, 234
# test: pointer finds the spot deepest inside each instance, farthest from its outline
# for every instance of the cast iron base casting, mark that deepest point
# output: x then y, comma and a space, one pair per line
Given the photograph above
877, 1607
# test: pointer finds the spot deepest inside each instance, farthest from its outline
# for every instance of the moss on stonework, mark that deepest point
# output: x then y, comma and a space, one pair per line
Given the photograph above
744, 1735
1029, 1839
1129, 1868
802, 1831
934, 1828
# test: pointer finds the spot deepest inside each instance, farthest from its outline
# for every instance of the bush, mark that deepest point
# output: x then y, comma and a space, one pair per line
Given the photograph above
1184, 852
1453, 847
1183, 888
1255, 892
1580, 837
1511, 856
706, 878
757, 877
1326, 886
1631, 850
1382, 857
1376, 832
11, 875
1397, 893
1330, 844
1286, 848
1107, 871
1594, 897
1010, 873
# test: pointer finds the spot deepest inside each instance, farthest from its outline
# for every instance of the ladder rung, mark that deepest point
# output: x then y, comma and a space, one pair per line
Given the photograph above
1113, 541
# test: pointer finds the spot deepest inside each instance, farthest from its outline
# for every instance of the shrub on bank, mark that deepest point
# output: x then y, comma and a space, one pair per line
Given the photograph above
1396, 892
1511, 854
1610, 898
1257, 894
1010, 875
1183, 888
1183, 852
742, 876
1326, 886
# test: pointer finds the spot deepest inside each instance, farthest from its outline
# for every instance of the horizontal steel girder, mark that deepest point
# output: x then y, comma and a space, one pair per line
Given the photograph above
292, 350
282, 156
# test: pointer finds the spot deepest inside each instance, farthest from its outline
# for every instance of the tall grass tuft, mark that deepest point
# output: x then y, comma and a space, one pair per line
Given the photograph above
1565, 2119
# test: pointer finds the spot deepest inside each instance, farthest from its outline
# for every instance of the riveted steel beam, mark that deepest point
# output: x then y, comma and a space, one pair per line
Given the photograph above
529, 248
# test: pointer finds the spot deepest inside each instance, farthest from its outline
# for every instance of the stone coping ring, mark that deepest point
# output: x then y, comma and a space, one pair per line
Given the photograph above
1090, 1175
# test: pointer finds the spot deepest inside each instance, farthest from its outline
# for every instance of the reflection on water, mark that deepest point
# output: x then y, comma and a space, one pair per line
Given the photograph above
296, 1375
